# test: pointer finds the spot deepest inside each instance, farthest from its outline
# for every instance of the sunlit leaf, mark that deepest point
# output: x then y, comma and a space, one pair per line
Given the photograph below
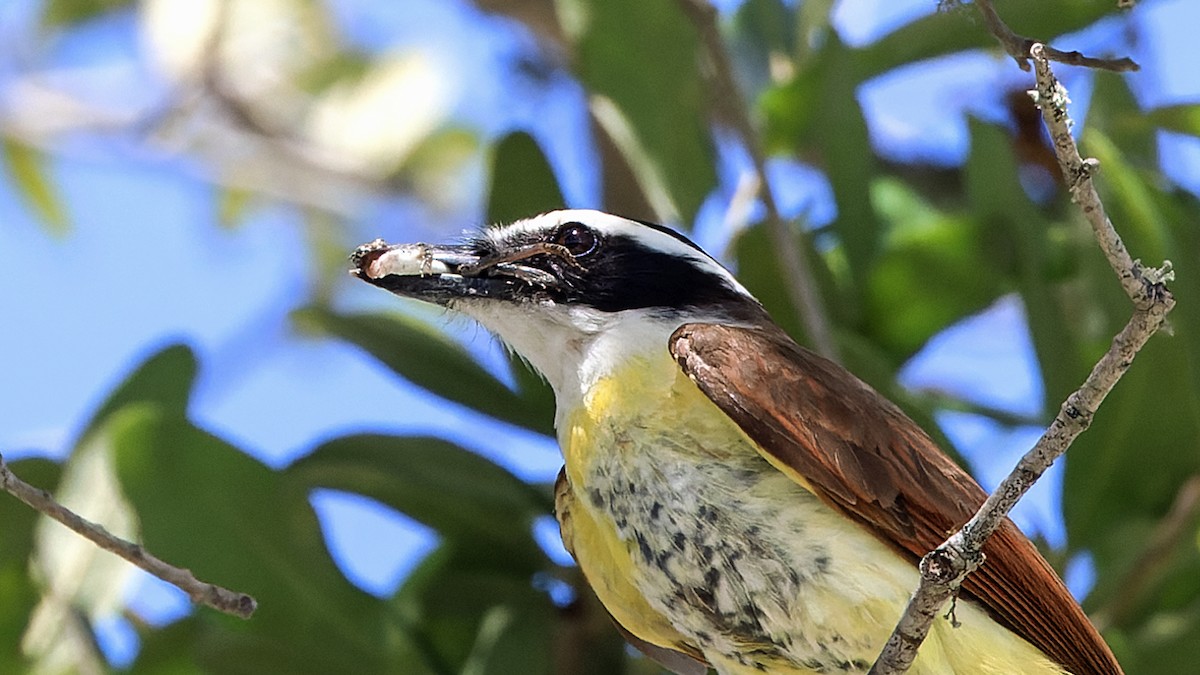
26, 166
458, 493
430, 359
523, 184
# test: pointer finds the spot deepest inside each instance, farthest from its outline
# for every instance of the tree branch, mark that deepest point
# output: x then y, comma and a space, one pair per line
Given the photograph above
802, 288
1018, 47
222, 599
943, 569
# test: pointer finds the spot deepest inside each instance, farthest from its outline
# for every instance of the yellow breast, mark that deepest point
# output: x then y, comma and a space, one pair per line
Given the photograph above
694, 542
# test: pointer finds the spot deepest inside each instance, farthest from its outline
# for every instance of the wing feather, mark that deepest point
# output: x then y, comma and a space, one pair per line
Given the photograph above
863, 456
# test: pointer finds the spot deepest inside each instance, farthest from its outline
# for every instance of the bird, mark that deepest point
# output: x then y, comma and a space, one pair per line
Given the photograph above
736, 501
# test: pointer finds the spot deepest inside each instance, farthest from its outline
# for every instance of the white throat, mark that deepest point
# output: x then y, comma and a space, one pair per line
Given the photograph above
575, 347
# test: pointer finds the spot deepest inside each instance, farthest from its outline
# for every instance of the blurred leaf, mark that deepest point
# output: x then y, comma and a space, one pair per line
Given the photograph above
171, 649
1114, 110
451, 595
944, 33
429, 358
206, 506
642, 56
164, 379
68, 13
19, 593
1147, 428
813, 28
761, 31
463, 496
523, 184
801, 121
1017, 243
513, 642
1130, 199
759, 271
26, 167
1183, 119
232, 204
933, 264
621, 192
788, 111
1166, 645
345, 66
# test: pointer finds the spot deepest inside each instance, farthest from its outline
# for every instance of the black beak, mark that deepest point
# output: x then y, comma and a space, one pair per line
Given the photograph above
420, 271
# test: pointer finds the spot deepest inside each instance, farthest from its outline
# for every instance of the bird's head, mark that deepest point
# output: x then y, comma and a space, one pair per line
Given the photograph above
574, 292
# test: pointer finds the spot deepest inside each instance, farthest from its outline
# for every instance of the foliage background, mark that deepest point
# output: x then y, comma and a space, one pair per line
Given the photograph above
185, 360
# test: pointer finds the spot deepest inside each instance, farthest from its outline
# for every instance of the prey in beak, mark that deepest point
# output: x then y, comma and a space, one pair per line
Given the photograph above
442, 273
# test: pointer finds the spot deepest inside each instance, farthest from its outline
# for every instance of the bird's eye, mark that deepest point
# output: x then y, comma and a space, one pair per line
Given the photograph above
576, 238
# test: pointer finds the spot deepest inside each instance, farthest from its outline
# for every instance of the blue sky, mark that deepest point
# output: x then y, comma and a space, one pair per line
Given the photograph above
145, 265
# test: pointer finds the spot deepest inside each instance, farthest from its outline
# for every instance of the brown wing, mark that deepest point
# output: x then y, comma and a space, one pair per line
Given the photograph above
866, 458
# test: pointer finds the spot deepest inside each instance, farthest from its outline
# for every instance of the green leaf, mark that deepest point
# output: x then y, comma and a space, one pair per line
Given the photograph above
801, 120
1139, 448
1183, 119
206, 506
1115, 111
171, 649
1018, 243
463, 496
523, 184
1130, 197
641, 57
164, 379
949, 32
430, 359
464, 610
934, 265
19, 593
26, 166
762, 31
1165, 645
232, 205
68, 13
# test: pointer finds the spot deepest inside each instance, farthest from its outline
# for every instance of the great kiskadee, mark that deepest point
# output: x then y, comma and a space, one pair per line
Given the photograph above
734, 499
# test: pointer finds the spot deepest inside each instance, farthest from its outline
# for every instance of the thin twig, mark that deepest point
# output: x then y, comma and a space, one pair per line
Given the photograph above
943, 570
801, 286
222, 599
1018, 47
1147, 570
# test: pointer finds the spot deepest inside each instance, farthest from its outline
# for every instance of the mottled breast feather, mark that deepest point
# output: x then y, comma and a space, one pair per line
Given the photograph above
863, 456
